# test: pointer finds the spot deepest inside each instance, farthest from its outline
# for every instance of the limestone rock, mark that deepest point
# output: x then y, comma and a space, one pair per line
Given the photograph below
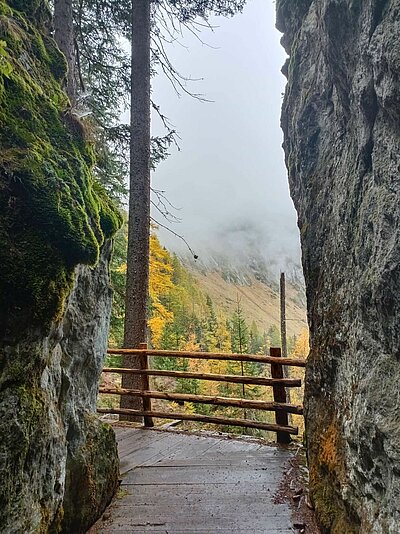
92, 459
341, 121
58, 462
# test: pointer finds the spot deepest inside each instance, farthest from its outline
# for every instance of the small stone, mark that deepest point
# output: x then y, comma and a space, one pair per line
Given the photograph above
309, 503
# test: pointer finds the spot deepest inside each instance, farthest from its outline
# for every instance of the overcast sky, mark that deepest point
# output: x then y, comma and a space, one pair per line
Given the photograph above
229, 177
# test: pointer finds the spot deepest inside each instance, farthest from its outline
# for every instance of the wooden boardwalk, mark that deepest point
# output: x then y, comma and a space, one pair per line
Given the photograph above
179, 483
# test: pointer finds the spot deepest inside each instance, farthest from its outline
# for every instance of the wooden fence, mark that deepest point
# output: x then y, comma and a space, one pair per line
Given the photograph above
277, 381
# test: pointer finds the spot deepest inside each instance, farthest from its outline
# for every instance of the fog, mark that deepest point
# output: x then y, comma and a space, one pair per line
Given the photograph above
229, 178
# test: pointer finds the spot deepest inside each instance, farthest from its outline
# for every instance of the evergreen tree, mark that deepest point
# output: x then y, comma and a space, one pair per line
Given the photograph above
209, 341
239, 339
239, 331
256, 340
118, 278
223, 335
99, 24
138, 257
274, 336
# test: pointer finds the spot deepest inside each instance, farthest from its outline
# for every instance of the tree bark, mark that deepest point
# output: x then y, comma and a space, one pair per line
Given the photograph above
283, 328
137, 281
283, 314
65, 39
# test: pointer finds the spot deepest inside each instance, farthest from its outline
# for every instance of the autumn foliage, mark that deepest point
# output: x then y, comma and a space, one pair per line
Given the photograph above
183, 317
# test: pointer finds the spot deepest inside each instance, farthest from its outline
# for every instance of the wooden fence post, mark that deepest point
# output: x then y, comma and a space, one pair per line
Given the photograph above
282, 285
281, 418
144, 364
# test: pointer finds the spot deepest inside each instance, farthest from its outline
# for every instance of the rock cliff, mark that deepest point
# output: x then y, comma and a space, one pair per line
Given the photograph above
58, 463
341, 121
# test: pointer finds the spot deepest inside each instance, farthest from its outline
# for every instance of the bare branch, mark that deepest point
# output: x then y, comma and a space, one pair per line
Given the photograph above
161, 195
195, 256
169, 217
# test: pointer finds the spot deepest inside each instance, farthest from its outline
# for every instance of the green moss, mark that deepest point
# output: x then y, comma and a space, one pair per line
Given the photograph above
19, 438
91, 477
4, 9
326, 505
48, 523
110, 219
56, 61
24, 426
53, 215
331, 513
30, 7
55, 527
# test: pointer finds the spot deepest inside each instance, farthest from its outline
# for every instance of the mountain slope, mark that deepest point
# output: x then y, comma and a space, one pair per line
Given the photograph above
255, 286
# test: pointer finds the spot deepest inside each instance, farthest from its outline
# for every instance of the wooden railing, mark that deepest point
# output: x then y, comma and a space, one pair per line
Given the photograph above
277, 381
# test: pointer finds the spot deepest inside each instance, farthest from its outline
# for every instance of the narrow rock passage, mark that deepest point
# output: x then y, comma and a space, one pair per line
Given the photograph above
176, 483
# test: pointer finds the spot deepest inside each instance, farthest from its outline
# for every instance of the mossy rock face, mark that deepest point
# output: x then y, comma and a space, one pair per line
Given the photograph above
92, 476
52, 214
341, 122
328, 477
55, 299
32, 444
37, 10
27, 6
58, 462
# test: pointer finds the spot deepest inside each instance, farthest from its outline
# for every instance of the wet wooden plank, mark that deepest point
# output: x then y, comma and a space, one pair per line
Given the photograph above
200, 521
122, 432
141, 495
203, 515
148, 451
222, 461
184, 449
185, 483
158, 475
131, 526
136, 439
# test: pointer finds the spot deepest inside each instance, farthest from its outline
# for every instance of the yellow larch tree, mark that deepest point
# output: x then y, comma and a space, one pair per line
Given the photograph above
302, 346
300, 351
160, 286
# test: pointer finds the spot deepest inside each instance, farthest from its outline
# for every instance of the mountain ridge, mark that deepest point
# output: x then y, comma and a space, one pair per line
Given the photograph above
251, 281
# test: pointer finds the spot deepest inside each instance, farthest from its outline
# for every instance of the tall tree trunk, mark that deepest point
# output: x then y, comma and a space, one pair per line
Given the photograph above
65, 38
137, 282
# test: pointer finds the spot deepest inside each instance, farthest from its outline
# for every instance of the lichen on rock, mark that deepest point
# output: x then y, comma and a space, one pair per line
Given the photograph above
341, 124
56, 225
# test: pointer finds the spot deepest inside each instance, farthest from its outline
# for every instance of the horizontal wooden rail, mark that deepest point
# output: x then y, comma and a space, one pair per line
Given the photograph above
204, 399
235, 379
247, 423
293, 362
277, 381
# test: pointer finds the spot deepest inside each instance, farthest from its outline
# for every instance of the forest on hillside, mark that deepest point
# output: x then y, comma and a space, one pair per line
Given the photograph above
154, 294
182, 316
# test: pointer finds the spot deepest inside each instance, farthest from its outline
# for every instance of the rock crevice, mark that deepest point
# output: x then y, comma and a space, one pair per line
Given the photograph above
341, 122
